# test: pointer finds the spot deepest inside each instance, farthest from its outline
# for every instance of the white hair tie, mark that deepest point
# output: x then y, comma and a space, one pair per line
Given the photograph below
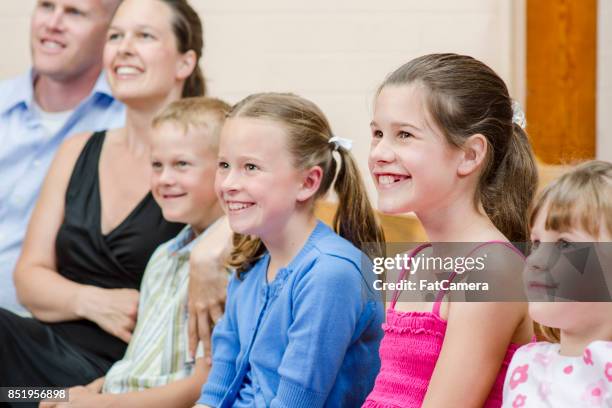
518, 115
346, 144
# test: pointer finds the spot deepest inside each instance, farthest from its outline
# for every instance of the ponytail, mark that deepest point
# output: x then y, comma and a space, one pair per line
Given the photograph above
510, 187
189, 34
354, 219
195, 84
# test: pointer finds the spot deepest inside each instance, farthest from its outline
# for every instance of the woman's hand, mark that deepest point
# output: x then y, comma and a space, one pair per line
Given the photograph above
114, 310
207, 284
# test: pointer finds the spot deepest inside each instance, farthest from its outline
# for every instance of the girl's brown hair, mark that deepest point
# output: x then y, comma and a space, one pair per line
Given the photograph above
581, 198
465, 97
308, 133
187, 28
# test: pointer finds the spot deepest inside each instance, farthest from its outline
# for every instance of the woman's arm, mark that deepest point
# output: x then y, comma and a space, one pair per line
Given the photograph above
48, 295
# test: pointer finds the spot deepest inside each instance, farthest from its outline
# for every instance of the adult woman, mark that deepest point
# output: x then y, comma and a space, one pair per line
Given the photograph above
92, 231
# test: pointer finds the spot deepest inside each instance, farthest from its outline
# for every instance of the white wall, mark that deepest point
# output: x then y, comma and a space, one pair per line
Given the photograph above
15, 31
334, 52
604, 81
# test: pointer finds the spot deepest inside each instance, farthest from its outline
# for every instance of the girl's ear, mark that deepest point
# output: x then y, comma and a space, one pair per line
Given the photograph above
311, 182
186, 64
474, 153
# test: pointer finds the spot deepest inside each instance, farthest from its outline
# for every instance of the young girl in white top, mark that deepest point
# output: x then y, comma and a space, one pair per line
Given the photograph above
572, 214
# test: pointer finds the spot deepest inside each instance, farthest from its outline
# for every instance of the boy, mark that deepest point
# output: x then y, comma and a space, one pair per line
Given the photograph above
156, 369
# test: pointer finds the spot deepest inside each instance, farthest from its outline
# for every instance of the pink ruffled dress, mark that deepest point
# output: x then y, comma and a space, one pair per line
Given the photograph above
409, 351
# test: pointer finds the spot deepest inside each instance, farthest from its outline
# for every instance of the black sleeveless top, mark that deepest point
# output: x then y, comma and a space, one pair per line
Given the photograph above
112, 261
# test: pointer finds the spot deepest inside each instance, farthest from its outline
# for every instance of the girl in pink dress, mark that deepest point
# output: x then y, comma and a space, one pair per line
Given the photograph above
448, 144
572, 216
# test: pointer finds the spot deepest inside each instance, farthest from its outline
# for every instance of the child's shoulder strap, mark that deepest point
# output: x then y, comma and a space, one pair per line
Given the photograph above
442, 293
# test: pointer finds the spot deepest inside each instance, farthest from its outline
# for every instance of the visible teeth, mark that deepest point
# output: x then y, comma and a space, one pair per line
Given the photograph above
386, 180
127, 71
51, 44
237, 206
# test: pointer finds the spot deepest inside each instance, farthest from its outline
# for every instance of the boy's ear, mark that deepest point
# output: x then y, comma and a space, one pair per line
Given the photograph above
310, 183
474, 153
186, 65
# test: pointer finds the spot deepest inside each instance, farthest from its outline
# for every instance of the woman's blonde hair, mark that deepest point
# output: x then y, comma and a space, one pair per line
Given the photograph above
308, 133
581, 198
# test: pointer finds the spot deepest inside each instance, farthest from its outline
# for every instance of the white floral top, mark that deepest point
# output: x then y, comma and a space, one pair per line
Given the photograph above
539, 376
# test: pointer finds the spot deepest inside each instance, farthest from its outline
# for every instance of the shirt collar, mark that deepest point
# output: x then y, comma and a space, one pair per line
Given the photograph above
22, 91
184, 242
102, 87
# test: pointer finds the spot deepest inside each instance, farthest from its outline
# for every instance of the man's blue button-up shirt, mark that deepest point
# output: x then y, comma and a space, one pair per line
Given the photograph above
26, 151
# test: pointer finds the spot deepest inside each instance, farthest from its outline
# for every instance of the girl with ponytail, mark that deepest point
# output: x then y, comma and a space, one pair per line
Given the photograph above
301, 327
448, 144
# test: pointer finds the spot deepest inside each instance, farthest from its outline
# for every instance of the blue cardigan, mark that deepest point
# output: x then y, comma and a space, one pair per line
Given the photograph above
308, 339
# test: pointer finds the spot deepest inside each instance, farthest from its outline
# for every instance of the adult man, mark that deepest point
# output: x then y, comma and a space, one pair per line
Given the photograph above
64, 93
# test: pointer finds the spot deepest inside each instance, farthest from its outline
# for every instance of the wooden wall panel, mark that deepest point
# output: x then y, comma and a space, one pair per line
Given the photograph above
561, 78
398, 228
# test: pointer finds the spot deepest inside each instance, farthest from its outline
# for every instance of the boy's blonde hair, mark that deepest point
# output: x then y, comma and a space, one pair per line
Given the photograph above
197, 111
580, 198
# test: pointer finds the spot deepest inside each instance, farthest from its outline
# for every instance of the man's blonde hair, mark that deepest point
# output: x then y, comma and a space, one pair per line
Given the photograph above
197, 111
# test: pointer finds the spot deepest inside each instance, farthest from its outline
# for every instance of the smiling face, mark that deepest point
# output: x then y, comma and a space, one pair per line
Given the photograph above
411, 163
67, 36
141, 56
551, 277
184, 164
257, 185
